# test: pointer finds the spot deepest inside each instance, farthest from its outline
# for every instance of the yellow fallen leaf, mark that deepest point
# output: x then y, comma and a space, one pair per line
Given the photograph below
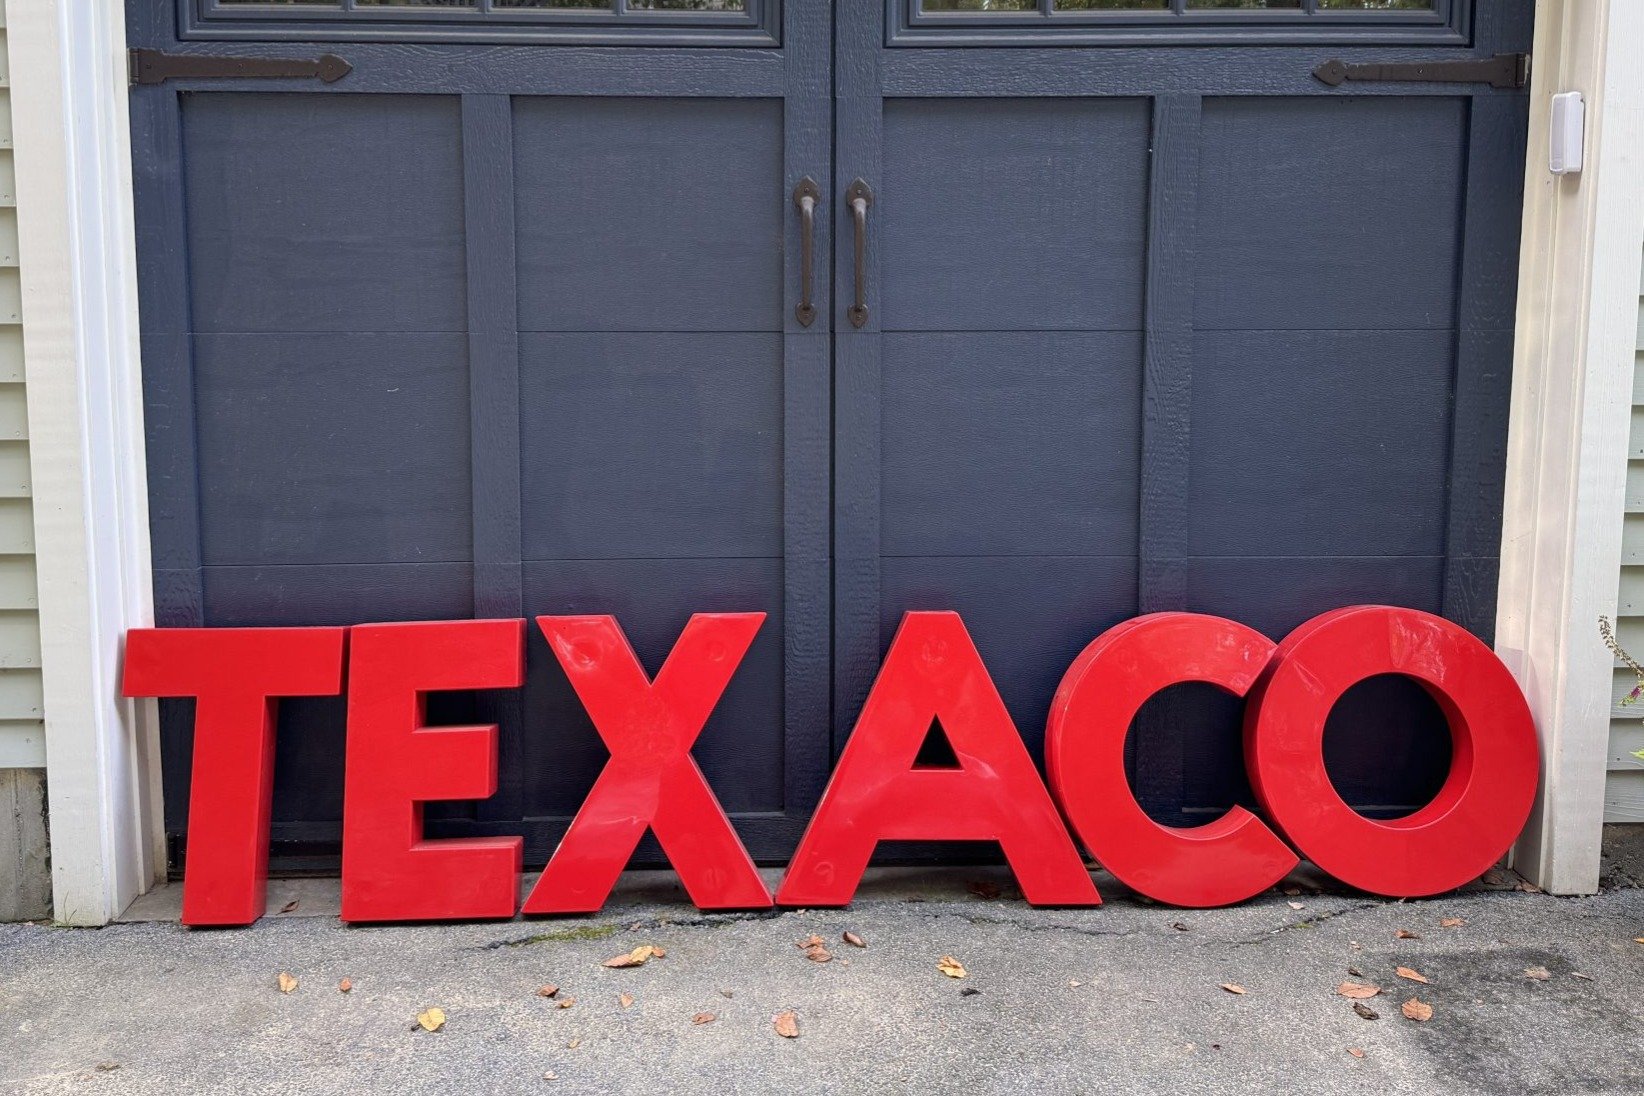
951, 967
704, 1018
1233, 987
345, 986
636, 958
786, 1024
431, 1019
626, 1000
287, 982
1417, 1010
1358, 991
1414, 976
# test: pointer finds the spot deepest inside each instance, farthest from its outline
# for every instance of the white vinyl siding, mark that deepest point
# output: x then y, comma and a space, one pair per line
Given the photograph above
22, 733
1624, 784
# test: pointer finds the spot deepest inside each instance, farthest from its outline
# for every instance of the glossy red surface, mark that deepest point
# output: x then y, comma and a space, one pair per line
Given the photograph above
236, 674
1224, 861
651, 779
1494, 767
396, 763
933, 672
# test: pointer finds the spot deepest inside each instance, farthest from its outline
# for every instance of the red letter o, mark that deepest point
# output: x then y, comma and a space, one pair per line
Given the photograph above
1494, 763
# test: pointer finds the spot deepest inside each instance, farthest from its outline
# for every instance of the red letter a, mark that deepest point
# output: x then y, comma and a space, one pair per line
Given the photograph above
236, 674
933, 672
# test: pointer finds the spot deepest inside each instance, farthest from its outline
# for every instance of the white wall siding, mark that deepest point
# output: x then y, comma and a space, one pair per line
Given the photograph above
1624, 784
22, 734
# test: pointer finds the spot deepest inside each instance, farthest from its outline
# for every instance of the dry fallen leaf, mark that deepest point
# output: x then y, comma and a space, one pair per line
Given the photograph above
1452, 922
287, 982
626, 1000
1539, 974
854, 940
1529, 888
1366, 1011
727, 993
786, 1024
1638, 939
1233, 987
431, 1019
1296, 905
1074, 983
550, 1075
1405, 934
565, 1002
984, 890
951, 967
1178, 926
549, 990
817, 953
811, 941
704, 1018
1412, 975
345, 986
1415, 1009
1355, 1052
636, 958
289, 906
1357, 991
573, 1044
1355, 972
1583, 977
1292, 891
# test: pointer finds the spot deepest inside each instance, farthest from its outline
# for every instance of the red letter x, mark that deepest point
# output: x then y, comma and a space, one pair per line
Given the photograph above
651, 779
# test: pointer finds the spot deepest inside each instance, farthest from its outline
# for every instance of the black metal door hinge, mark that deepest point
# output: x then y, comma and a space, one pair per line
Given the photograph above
1504, 70
153, 66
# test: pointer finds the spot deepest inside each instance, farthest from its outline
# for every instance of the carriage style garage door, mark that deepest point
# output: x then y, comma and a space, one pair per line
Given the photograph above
462, 308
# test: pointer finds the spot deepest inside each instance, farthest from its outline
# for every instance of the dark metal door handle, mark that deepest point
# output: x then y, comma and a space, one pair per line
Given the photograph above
858, 197
805, 196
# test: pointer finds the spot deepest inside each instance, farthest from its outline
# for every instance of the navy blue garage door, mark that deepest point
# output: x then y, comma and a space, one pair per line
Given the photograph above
507, 321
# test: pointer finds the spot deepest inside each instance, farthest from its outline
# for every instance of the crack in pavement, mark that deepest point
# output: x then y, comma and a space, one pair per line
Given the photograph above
1308, 923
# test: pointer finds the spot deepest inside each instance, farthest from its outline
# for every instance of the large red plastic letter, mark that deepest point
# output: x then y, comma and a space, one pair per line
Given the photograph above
1494, 762
395, 764
1225, 861
236, 674
934, 673
651, 780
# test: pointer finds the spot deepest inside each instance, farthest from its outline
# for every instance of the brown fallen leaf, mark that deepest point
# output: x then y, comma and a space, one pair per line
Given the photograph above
1452, 922
1412, 975
1358, 991
107, 1067
1538, 974
1178, 926
817, 953
786, 1024
727, 993
573, 1044
1583, 977
1529, 888
345, 986
1355, 972
1234, 987
1355, 1052
1405, 934
549, 990
951, 967
626, 1000
983, 889
636, 958
811, 941
1292, 891
289, 906
704, 1018
565, 1002
853, 940
1638, 939
286, 981
1416, 1009
1366, 1011
432, 1019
